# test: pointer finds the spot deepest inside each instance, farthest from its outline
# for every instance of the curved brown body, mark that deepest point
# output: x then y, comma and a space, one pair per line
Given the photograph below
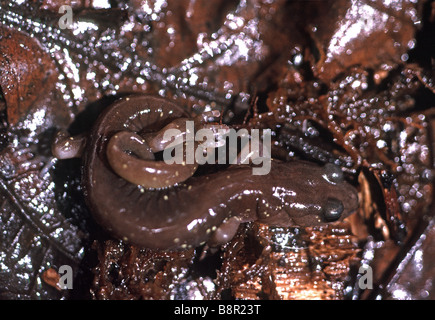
188, 214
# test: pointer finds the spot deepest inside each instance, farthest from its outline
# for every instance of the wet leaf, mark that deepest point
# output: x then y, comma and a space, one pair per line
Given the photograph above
37, 233
34, 236
25, 69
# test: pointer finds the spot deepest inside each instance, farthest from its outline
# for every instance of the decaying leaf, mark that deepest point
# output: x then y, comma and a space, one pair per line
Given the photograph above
26, 71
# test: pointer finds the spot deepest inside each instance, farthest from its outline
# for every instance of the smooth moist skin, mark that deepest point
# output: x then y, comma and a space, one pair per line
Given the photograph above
203, 207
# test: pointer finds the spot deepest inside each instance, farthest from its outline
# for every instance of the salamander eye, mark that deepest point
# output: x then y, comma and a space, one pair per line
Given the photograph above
333, 173
333, 209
